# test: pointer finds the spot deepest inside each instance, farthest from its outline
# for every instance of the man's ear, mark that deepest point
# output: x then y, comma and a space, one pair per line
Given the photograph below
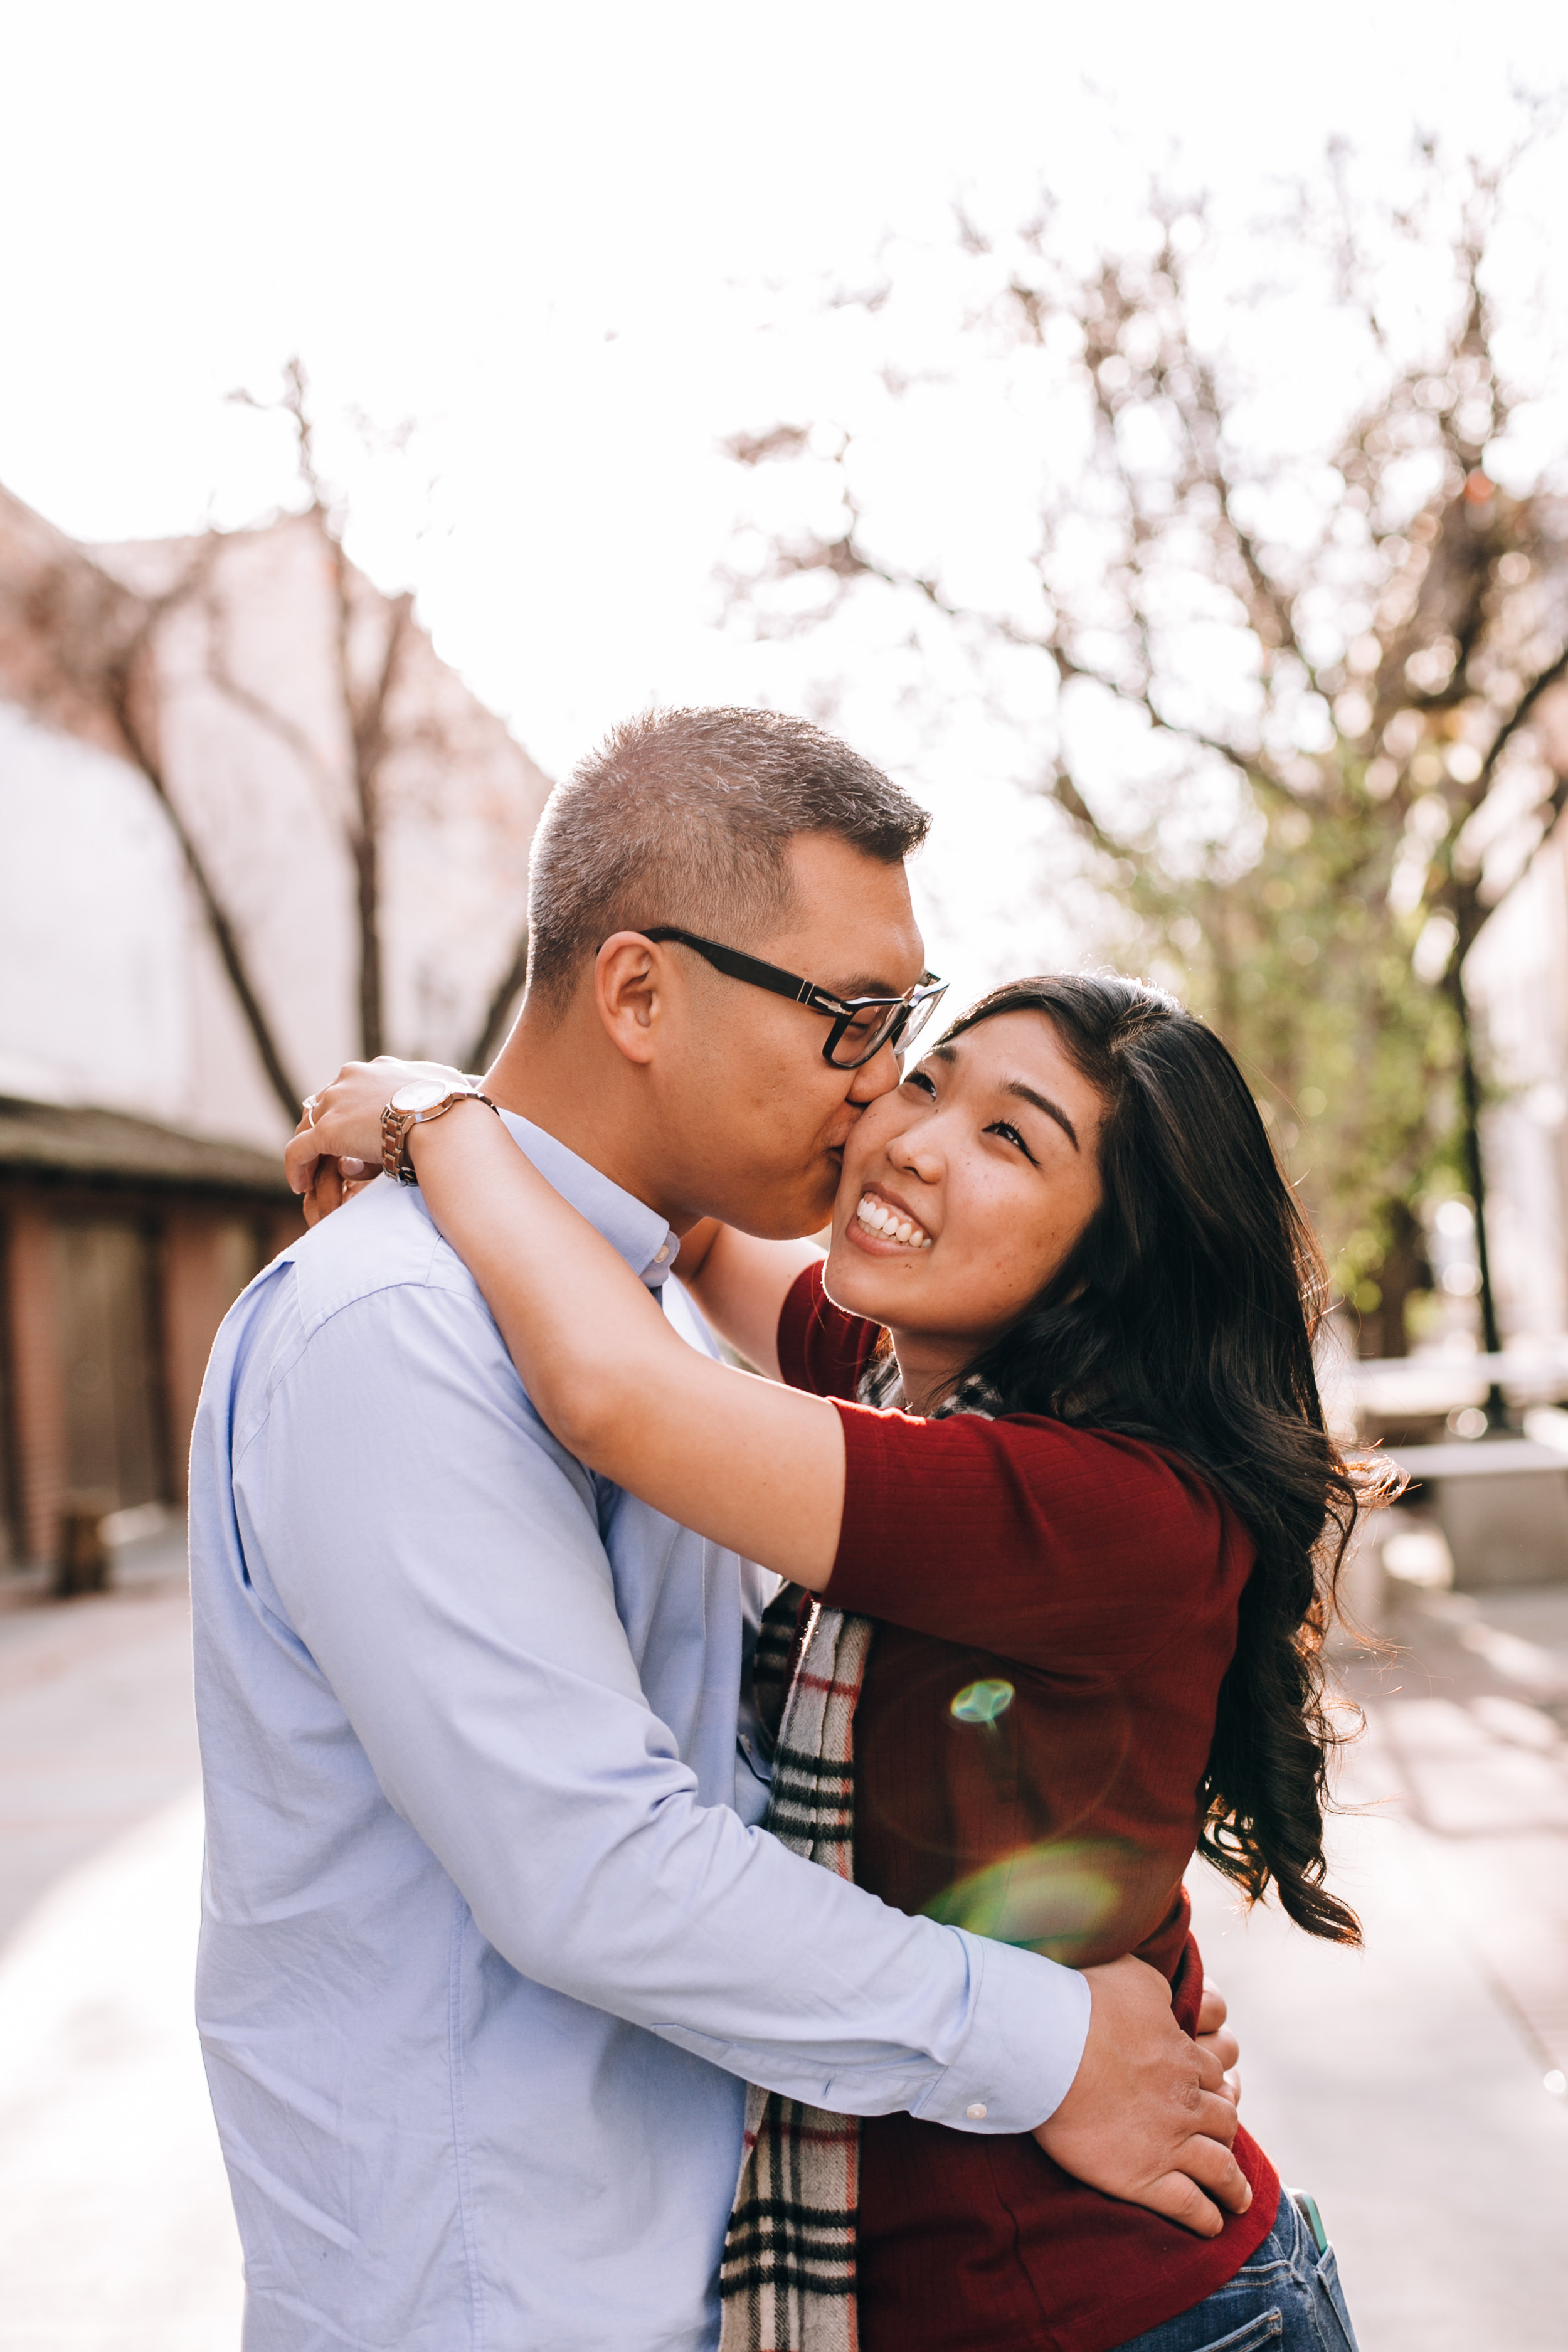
632, 979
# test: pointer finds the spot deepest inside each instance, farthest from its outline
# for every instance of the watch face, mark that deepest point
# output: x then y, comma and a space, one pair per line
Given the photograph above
422, 1095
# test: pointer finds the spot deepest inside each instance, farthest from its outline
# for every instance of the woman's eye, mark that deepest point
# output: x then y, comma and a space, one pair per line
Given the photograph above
920, 1078
1010, 1134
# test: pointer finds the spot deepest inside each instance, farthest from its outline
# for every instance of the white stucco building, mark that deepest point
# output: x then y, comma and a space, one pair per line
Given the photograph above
248, 714
112, 989
1516, 979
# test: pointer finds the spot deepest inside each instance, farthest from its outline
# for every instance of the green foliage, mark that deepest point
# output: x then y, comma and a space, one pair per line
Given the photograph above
1289, 700
1299, 965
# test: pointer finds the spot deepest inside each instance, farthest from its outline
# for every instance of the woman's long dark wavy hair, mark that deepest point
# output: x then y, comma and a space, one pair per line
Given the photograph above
1186, 1315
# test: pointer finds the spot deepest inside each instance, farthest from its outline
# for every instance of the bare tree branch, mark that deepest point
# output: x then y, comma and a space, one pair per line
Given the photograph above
370, 738
1553, 675
279, 723
81, 648
123, 682
492, 1029
1380, 648
366, 713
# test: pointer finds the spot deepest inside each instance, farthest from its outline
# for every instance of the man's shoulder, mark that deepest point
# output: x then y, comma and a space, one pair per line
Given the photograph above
379, 1257
383, 1240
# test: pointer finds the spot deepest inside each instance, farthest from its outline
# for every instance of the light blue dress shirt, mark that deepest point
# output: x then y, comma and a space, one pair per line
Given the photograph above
490, 1938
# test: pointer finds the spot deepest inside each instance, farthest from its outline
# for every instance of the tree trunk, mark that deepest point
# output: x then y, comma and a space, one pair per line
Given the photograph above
492, 1030
1404, 1268
1471, 1145
367, 864
369, 738
223, 932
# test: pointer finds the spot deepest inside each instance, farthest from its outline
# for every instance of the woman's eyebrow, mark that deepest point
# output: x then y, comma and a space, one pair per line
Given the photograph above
1043, 1102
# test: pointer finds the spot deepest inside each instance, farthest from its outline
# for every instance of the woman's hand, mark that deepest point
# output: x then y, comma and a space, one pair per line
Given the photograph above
336, 1148
756, 1468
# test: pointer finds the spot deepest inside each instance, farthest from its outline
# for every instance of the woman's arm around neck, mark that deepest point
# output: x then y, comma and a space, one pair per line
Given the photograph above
754, 1467
741, 1284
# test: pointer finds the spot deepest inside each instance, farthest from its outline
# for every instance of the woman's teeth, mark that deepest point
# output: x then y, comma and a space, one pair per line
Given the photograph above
878, 1218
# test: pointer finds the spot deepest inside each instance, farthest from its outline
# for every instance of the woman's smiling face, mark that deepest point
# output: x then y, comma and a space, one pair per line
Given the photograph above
964, 1190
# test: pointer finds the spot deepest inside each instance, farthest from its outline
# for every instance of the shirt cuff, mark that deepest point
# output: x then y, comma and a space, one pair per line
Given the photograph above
1026, 2036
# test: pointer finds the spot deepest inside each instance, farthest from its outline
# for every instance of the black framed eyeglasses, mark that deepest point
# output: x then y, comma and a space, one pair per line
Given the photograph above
862, 1026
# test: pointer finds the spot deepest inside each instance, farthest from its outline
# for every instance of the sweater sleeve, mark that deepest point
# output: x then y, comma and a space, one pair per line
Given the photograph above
1074, 1550
821, 1349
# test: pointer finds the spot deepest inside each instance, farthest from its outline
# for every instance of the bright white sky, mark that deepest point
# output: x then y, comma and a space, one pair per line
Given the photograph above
580, 246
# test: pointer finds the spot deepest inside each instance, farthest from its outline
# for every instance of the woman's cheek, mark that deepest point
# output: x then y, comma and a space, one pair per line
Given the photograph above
991, 1291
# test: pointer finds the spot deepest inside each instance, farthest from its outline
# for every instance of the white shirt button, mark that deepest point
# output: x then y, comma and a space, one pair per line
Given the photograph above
978, 2112
659, 1255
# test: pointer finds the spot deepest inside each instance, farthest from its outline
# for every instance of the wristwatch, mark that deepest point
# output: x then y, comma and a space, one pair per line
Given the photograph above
421, 1100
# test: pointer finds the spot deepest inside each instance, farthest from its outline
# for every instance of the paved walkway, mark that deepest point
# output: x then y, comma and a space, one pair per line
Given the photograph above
115, 2233
96, 1729
1404, 2085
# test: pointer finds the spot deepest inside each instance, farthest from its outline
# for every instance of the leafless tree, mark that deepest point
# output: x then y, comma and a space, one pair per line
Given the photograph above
490, 1033
80, 648
1346, 666
372, 635
110, 644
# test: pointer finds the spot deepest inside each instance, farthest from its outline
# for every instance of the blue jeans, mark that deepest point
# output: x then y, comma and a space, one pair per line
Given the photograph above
1286, 2299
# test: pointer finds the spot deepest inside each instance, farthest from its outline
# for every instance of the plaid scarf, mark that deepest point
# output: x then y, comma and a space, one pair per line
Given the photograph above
788, 2274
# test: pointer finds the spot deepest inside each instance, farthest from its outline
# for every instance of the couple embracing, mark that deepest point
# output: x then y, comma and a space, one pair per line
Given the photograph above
695, 1857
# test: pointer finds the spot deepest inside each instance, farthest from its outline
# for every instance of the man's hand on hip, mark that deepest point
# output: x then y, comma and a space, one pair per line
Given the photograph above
1215, 2036
1147, 2117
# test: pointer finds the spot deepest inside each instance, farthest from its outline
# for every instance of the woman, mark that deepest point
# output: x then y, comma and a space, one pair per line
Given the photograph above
1051, 1453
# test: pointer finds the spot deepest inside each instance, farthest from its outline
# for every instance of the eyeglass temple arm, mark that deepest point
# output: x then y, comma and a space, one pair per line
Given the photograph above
771, 976
750, 968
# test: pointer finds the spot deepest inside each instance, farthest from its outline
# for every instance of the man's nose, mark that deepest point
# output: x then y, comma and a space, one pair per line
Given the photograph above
878, 1076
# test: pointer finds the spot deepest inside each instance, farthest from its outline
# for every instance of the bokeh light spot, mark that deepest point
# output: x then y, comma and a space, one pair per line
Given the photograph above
1056, 1897
982, 1702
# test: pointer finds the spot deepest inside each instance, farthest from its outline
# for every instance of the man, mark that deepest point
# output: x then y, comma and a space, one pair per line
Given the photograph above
492, 1939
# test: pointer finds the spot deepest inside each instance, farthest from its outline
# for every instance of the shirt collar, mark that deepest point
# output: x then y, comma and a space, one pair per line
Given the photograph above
636, 1233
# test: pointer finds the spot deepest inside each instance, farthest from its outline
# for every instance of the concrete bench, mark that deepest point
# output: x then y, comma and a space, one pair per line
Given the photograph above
1502, 1505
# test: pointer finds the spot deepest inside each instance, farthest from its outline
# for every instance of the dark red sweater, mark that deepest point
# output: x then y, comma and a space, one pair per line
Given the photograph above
1055, 1608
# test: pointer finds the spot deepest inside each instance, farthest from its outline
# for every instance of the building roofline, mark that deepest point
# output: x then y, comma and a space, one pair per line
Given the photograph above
81, 1142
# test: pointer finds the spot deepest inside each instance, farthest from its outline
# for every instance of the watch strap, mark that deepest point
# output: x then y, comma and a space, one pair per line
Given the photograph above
396, 1126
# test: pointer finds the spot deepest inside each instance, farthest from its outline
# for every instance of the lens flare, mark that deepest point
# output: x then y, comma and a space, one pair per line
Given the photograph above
1055, 1898
982, 1702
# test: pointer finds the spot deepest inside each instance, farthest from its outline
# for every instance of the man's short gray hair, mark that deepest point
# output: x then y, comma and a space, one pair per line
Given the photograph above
686, 817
